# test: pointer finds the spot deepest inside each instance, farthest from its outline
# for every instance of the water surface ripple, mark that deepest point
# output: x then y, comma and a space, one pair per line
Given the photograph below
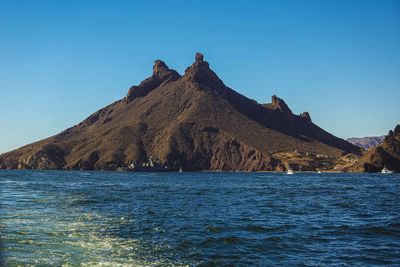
206, 219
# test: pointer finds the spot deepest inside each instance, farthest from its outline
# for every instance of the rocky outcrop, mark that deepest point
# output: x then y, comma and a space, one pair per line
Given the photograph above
279, 105
48, 156
194, 122
87, 163
396, 131
387, 154
161, 75
200, 73
235, 155
306, 116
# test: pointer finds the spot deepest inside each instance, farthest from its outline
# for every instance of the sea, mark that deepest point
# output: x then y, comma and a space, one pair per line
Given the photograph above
78, 218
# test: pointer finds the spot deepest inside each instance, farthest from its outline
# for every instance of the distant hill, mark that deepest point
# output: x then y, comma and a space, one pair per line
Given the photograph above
366, 142
387, 154
192, 122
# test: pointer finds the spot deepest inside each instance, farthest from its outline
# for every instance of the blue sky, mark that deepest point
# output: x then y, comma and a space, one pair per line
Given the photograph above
62, 60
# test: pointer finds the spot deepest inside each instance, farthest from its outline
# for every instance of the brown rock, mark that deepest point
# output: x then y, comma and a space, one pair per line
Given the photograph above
387, 154
280, 105
306, 116
397, 129
158, 67
200, 73
161, 75
192, 121
199, 57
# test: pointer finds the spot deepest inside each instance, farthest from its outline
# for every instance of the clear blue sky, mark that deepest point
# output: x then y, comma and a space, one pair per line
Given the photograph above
62, 60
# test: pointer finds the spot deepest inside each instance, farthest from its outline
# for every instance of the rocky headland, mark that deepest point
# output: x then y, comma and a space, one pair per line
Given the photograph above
386, 154
193, 122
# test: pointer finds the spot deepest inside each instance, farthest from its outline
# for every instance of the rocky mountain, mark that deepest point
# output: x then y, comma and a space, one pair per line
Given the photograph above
366, 142
192, 121
387, 154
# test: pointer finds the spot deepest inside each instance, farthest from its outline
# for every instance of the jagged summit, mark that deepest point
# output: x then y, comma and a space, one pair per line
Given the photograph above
194, 122
306, 116
161, 74
159, 68
200, 72
397, 129
280, 105
199, 57
393, 133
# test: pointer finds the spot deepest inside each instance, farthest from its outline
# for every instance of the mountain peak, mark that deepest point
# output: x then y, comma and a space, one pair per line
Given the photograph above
200, 72
280, 105
199, 57
306, 116
161, 74
159, 66
199, 64
194, 122
397, 129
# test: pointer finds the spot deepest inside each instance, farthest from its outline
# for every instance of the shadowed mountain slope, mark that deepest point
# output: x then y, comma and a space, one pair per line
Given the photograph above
193, 122
387, 154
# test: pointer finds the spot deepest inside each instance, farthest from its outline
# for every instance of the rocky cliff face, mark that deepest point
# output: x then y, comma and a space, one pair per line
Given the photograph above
193, 122
161, 74
387, 154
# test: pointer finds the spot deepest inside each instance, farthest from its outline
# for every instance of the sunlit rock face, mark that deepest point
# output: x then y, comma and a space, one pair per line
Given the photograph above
387, 154
191, 122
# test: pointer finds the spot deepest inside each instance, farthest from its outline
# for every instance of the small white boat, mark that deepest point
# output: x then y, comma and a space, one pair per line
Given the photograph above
180, 169
386, 170
319, 172
290, 171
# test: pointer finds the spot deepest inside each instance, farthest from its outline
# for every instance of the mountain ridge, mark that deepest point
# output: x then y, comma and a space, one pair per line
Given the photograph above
191, 121
366, 142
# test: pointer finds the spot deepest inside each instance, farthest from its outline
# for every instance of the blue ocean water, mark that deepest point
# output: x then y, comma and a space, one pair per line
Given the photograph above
207, 219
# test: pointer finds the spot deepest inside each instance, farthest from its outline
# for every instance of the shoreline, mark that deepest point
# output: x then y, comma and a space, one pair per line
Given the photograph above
203, 171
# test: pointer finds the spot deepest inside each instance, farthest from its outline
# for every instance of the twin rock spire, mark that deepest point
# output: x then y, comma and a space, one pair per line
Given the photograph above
198, 72
160, 67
